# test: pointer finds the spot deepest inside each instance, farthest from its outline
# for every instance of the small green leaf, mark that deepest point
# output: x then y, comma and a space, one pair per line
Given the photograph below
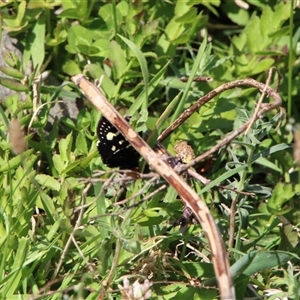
17, 22
273, 149
48, 181
105, 250
65, 148
102, 46
254, 262
289, 236
117, 57
33, 4
267, 163
81, 144
47, 203
222, 178
37, 41
12, 72
107, 84
199, 63
142, 61
188, 17
71, 67
79, 36
10, 58
16, 161
241, 17
16, 269
13, 85
142, 97
282, 193
262, 65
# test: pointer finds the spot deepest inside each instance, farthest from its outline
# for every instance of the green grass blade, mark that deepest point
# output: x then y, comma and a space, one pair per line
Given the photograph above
199, 63
143, 64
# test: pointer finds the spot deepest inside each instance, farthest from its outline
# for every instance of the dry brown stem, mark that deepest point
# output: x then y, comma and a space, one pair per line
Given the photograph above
187, 194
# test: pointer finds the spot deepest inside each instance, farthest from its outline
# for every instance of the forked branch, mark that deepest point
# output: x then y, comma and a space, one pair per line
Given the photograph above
249, 82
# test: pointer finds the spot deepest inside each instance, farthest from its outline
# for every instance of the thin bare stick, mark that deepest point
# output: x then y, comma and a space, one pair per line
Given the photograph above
187, 194
197, 79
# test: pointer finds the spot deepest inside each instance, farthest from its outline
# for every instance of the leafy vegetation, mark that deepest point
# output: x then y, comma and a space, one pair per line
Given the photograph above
70, 225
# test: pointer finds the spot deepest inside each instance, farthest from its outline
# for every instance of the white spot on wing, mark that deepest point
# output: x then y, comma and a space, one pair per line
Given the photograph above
110, 136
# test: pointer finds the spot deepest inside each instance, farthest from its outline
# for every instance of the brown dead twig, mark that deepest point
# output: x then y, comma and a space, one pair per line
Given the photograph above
187, 194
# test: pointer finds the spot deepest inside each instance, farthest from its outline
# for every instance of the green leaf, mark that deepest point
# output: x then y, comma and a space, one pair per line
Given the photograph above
262, 65
258, 29
102, 46
142, 97
188, 17
16, 270
37, 41
12, 72
13, 85
223, 177
79, 36
10, 58
105, 251
254, 262
111, 17
288, 236
47, 204
143, 64
14, 24
198, 65
71, 68
81, 144
241, 17
16, 161
33, 4
48, 181
117, 56
271, 150
199, 269
65, 148
282, 193
60, 35
267, 163
107, 84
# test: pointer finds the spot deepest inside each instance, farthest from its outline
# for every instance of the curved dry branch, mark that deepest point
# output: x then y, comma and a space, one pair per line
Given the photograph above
188, 195
222, 88
266, 107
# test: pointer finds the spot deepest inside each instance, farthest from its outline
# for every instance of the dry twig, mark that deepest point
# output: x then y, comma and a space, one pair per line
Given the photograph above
228, 138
